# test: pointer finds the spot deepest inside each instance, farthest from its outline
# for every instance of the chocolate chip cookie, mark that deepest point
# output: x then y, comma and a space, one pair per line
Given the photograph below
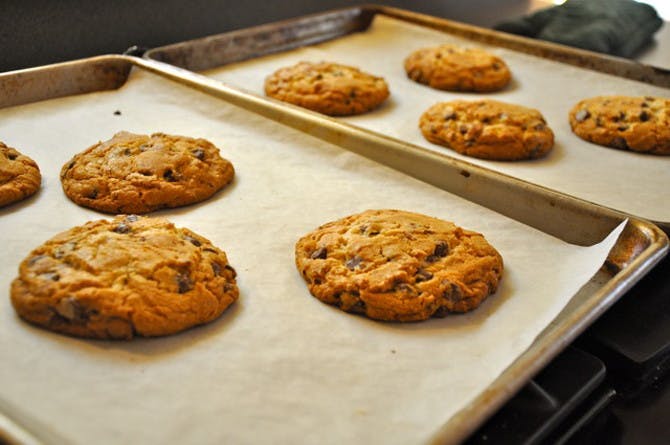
329, 88
488, 129
19, 175
398, 266
453, 68
125, 277
640, 124
133, 173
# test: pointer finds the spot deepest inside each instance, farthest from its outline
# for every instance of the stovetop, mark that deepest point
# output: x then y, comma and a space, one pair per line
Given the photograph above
611, 386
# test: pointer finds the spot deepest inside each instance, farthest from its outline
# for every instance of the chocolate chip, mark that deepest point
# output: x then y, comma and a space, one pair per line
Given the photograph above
644, 105
319, 76
132, 218
70, 309
539, 127
184, 282
121, 228
199, 153
168, 175
496, 66
423, 275
449, 114
193, 241
92, 194
216, 268
53, 276
441, 312
353, 262
644, 116
363, 228
227, 287
12, 156
406, 288
230, 269
582, 115
359, 307
599, 122
441, 250
453, 294
622, 127
620, 143
321, 253
127, 152
352, 94
463, 129
486, 120
35, 259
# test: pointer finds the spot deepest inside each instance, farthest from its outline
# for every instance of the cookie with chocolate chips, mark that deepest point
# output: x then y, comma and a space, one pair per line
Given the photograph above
329, 88
395, 265
640, 124
133, 173
121, 278
19, 175
454, 68
488, 129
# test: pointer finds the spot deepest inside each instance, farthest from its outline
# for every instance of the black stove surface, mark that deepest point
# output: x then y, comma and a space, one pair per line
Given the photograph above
612, 386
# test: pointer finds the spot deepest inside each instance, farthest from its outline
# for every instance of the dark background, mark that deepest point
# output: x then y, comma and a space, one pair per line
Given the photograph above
39, 32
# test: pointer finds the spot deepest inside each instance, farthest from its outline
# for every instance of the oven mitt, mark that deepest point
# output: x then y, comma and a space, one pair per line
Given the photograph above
617, 27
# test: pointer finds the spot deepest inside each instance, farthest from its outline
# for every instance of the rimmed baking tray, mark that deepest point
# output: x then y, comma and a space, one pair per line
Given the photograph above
640, 246
546, 76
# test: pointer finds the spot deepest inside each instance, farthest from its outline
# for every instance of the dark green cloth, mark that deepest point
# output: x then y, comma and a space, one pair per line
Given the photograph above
617, 27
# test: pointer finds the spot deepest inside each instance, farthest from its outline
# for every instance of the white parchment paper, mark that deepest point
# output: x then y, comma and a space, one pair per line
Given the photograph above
278, 366
627, 181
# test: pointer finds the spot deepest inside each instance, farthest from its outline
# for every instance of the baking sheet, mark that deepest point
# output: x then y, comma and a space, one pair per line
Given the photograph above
278, 366
626, 181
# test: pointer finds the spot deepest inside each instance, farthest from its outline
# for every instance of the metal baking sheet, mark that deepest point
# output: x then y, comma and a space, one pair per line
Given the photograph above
548, 77
342, 377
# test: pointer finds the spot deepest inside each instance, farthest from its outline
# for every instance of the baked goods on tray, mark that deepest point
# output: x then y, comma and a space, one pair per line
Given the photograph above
640, 124
488, 129
398, 266
19, 175
133, 173
454, 68
121, 278
328, 88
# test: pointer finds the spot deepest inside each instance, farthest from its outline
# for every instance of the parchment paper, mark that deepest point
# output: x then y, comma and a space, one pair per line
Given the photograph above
278, 366
630, 182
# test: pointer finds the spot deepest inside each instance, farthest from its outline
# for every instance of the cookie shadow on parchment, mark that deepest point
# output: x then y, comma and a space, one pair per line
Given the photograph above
143, 348
19, 205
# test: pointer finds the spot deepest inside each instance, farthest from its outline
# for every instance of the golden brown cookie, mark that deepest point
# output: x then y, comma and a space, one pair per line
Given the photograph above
639, 124
488, 129
121, 278
329, 88
19, 175
398, 266
452, 68
133, 173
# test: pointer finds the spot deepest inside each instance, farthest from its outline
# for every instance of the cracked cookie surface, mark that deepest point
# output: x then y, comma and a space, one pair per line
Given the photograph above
133, 173
453, 68
640, 124
488, 129
395, 265
328, 88
19, 175
125, 277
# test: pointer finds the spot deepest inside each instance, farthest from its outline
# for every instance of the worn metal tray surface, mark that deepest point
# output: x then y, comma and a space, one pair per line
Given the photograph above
549, 77
59, 389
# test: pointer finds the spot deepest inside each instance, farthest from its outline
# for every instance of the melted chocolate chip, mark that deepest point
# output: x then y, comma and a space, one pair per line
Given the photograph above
582, 115
93, 194
353, 263
644, 116
230, 269
168, 175
320, 253
193, 241
620, 143
216, 268
12, 156
423, 275
199, 153
70, 309
121, 228
184, 283
441, 250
